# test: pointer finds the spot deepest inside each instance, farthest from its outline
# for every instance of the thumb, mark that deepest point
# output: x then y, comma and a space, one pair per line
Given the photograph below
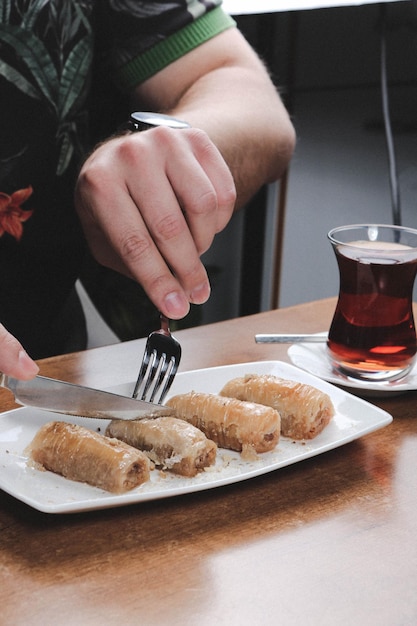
14, 360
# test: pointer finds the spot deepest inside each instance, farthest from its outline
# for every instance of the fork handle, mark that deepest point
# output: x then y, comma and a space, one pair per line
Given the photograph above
164, 324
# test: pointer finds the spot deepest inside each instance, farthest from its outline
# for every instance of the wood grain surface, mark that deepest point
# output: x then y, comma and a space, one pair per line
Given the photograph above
329, 541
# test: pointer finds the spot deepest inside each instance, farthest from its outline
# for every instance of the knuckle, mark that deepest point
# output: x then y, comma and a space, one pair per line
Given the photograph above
135, 248
206, 202
204, 147
228, 196
93, 182
169, 227
200, 137
89, 179
126, 150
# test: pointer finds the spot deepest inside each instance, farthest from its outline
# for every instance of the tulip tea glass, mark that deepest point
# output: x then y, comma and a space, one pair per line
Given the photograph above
372, 336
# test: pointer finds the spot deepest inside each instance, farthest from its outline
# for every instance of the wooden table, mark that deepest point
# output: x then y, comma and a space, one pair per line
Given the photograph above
329, 541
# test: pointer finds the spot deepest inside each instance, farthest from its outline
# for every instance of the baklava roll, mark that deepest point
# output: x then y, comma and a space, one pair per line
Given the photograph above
230, 423
305, 411
86, 456
169, 442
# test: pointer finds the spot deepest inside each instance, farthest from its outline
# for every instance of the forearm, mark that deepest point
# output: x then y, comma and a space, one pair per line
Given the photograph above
253, 134
235, 103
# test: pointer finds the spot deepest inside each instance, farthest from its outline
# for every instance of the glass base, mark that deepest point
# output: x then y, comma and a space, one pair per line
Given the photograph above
356, 373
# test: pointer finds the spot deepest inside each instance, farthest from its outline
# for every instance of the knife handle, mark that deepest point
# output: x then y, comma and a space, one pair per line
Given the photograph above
7, 382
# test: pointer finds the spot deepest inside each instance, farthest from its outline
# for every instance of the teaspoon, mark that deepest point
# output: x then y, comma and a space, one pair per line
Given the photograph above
311, 338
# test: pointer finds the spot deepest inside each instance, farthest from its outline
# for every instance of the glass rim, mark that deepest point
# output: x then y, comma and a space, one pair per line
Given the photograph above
368, 225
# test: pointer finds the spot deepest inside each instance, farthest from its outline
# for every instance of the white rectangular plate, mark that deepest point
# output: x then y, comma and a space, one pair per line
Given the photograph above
51, 493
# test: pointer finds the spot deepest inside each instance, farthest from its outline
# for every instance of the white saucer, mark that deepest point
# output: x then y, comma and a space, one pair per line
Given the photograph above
313, 358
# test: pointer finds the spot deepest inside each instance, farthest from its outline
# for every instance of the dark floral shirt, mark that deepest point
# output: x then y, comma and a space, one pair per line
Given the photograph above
58, 59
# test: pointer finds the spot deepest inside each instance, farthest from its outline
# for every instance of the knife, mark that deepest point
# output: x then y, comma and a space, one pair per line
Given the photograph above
62, 397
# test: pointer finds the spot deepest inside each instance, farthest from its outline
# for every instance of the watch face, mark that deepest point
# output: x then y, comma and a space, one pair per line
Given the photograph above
142, 120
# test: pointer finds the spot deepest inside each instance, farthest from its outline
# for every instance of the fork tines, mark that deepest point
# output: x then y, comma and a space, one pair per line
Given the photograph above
158, 369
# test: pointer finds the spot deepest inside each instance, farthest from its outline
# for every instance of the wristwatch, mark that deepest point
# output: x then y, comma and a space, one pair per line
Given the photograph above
143, 120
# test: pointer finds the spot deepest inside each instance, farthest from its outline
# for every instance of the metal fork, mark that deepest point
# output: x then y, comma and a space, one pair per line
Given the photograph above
159, 364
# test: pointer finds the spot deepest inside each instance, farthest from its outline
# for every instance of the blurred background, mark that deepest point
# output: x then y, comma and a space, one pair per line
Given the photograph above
327, 63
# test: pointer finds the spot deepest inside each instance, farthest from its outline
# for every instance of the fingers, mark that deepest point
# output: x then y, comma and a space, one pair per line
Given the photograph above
204, 188
14, 360
151, 204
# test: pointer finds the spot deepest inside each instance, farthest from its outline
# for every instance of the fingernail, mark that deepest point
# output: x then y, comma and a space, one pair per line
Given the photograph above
176, 305
200, 294
27, 365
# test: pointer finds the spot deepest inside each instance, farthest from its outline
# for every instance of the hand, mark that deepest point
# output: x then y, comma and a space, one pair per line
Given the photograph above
150, 204
14, 361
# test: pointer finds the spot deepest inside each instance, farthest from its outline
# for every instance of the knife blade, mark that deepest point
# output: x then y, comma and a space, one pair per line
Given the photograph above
59, 396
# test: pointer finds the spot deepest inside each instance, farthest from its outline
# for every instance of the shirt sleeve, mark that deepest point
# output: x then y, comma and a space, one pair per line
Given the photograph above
141, 38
